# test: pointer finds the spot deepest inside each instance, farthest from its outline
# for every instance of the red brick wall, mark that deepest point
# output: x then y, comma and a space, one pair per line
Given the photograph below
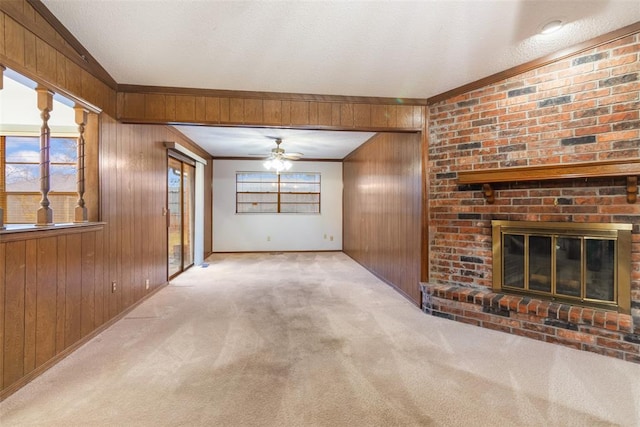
584, 108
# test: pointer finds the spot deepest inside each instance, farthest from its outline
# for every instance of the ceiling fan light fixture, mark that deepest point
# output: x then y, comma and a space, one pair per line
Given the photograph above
277, 164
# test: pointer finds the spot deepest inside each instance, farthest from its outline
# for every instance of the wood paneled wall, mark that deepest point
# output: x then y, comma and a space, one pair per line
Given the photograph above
382, 209
53, 293
269, 110
31, 45
133, 174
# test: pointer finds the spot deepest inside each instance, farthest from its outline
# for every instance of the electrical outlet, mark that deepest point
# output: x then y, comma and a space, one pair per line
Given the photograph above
113, 287
146, 284
331, 238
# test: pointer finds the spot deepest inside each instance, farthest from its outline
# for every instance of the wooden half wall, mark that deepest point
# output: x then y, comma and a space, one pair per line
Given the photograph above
382, 209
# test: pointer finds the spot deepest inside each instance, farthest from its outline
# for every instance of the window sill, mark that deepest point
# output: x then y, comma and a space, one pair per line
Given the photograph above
14, 232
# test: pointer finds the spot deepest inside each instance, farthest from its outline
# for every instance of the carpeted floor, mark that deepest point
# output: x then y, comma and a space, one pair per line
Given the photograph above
313, 339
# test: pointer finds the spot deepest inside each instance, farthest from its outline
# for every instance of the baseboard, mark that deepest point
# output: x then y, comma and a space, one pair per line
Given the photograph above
73, 347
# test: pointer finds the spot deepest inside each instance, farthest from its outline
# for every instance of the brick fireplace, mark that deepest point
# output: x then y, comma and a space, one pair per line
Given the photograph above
580, 110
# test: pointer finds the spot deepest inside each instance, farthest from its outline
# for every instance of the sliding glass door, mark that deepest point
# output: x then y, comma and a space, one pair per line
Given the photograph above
181, 201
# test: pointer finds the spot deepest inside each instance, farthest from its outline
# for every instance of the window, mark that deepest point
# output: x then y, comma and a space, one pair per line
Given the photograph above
286, 192
22, 106
20, 168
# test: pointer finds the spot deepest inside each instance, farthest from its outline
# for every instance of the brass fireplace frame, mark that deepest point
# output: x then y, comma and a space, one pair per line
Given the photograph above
620, 233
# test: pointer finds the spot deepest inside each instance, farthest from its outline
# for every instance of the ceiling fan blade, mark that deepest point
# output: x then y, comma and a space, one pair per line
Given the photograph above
293, 156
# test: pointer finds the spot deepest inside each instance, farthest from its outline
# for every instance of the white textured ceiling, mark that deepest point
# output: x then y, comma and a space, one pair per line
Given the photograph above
258, 142
381, 48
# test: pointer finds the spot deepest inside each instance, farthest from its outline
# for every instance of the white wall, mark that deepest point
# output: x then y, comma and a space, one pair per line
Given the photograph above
287, 232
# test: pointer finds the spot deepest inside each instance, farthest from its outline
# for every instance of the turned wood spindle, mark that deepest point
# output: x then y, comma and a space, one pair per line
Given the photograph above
44, 215
80, 213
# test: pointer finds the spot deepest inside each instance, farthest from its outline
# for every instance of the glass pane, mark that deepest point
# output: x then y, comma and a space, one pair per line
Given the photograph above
600, 272
300, 177
188, 217
568, 256
540, 263
21, 209
299, 208
257, 208
256, 177
513, 267
63, 207
22, 149
175, 211
257, 197
64, 150
296, 187
257, 187
22, 177
64, 178
299, 198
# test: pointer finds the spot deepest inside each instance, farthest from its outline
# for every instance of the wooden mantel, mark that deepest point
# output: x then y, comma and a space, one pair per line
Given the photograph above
607, 168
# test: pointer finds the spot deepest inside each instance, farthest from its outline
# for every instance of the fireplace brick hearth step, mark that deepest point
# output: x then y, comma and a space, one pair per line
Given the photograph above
590, 329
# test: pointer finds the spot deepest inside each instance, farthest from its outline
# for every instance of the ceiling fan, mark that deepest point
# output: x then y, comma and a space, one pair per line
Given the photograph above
278, 160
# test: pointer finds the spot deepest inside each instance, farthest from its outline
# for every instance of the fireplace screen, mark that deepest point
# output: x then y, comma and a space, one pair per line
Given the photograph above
585, 263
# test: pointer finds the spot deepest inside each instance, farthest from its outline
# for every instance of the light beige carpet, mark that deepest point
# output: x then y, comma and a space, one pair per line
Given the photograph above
313, 339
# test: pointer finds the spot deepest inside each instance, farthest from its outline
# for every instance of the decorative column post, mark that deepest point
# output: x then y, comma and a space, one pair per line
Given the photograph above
45, 105
80, 214
1, 86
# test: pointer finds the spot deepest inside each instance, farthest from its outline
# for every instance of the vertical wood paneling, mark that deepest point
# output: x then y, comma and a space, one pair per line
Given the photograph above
30, 59
133, 102
299, 113
99, 280
346, 115
170, 108
2, 42
224, 110
61, 292
201, 111
382, 215
46, 61
46, 299
3, 281
286, 112
185, 108
74, 84
73, 293
335, 114
14, 336
154, 106
212, 109
14, 37
30, 305
236, 110
253, 111
87, 284
272, 112
379, 116
362, 115
405, 116
324, 114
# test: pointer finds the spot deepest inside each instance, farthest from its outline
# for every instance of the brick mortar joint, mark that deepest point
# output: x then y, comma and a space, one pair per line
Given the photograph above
485, 297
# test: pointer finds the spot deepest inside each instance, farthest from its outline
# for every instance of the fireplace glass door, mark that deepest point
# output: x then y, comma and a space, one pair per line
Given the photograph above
570, 264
